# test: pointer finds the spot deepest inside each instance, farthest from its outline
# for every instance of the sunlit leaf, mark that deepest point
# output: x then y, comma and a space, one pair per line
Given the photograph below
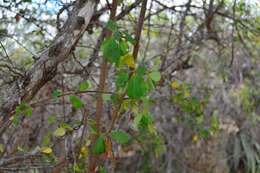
155, 76
128, 59
59, 132
195, 138
175, 84
46, 150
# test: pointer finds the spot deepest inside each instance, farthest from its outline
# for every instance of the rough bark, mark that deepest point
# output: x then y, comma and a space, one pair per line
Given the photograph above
45, 68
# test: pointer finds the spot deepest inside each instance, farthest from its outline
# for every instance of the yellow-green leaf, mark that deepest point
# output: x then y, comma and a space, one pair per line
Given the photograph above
46, 150
59, 132
195, 138
155, 76
175, 84
128, 59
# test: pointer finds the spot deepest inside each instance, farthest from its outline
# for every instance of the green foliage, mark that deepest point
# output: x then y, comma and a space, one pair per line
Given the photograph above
46, 139
59, 132
112, 26
76, 102
246, 151
102, 170
141, 70
155, 76
52, 119
99, 146
112, 50
92, 125
120, 136
83, 86
137, 87
121, 79
246, 97
106, 97
143, 121
78, 167
56, 94
23, 109
129, 38
116, 46
193, 110
133, 81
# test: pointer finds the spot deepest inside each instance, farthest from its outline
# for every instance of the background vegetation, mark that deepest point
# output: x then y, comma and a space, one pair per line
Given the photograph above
138, 86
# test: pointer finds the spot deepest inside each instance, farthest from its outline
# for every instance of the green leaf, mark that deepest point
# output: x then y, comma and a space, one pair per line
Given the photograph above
111, 50
111, 25
137, 87
141, 71
56, 94
115, 98
28, 111
150, 84
99, 146
123, 47
66, 126
214, 122
145, 121
102, 170
15, 120
59, 132
46, 140
24, 108
117, 35
46, 150
121, 79
83, 86
76, 102
155, 76
52, 119
120, 136
129, 38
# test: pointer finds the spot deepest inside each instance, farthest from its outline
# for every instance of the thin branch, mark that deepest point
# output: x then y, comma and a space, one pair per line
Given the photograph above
139, 27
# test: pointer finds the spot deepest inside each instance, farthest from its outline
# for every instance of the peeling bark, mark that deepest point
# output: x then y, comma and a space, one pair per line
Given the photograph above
45, 68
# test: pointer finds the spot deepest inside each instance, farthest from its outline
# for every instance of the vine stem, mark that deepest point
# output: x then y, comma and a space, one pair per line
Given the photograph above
99, 105
138, 29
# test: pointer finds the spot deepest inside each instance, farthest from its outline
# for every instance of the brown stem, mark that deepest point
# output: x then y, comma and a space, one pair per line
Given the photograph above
99, 106
139, 27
